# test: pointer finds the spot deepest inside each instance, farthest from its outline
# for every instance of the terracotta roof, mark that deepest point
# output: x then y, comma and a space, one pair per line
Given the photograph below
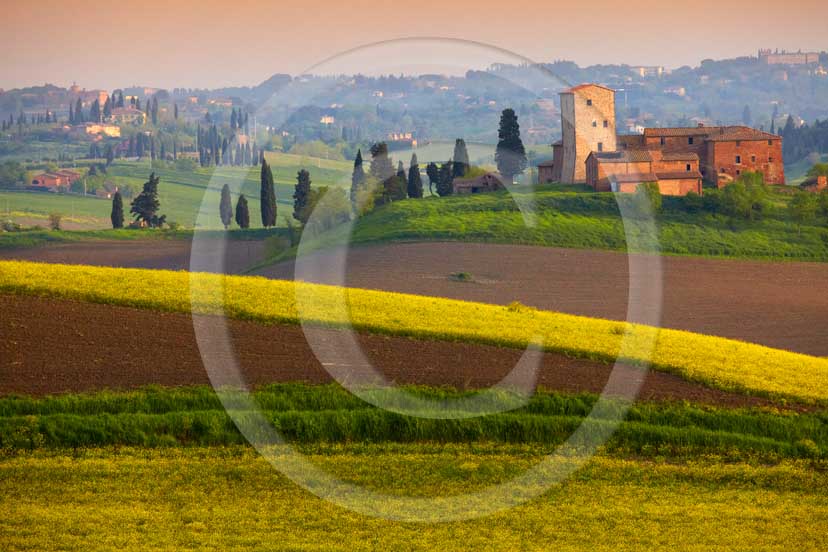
680, 131
632, 178
726, 134
679, 175
584, 86
680, 157
623, 156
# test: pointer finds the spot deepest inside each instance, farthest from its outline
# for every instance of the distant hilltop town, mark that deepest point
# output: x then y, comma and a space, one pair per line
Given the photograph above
781, 57
677, 159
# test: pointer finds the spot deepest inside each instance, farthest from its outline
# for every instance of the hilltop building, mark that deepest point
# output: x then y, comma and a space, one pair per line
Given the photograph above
782, 57
678, 159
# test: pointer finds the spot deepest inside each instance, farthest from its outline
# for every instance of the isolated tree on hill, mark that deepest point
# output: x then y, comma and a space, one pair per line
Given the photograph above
242, 212
461, 159
445, 179
747, 118
301, 196
95, 111
510, 154
382, 167
267, 196
415, 181
117, 215
226, 207
357, 179
433, 173
803, 208
145, 206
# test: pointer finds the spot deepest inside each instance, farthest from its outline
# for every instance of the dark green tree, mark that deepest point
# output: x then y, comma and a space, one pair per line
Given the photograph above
382, 167
226, 207
267, 196
107, 108
301, 196
461, 159
145, 206
415, 181
117, 215
357, 178
510, 154
401, 170
78, 112
242, 212
95, 111
433, 173
445, 180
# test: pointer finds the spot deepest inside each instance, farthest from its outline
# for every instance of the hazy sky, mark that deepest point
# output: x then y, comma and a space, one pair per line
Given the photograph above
190, 43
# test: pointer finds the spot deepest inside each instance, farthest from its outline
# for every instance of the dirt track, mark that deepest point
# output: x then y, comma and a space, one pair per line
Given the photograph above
53, 346
782, 305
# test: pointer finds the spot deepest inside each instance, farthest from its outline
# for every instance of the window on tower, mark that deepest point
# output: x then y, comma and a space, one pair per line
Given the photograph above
589, 102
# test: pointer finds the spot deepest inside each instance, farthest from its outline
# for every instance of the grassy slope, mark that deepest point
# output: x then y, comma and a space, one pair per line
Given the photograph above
182, 192
718, 362
585, 220
221, 499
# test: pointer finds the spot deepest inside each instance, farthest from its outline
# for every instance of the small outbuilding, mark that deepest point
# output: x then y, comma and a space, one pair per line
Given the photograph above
489, 182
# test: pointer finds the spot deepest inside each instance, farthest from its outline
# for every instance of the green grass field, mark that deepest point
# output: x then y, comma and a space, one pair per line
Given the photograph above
181, 193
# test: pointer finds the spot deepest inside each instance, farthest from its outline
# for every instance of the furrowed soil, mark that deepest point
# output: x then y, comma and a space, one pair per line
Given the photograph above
54, 346
778, 304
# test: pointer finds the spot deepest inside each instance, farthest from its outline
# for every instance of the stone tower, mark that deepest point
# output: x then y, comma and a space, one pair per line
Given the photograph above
588, 123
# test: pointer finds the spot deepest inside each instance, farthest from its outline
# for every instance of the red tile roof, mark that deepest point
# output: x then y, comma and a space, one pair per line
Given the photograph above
679, 175
728, 134
633, 178
622, 156
584, 86
679, 131
680, 157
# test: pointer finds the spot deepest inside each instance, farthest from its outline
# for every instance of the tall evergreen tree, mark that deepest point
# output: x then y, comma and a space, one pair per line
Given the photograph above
242, 212
747, 118
433, 172
79, 112
773, 126
71, 116
175, 111
154, 110
110, 155
226, 207
445, 180
400, 170
107, 109
301, 196
382, 167
95, 111
357, 178
117, 215
510, 154
461, 159
145, 206
267, 196
415, 181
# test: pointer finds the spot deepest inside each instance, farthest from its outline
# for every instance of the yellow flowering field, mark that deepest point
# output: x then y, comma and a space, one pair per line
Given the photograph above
232, 499
719, 362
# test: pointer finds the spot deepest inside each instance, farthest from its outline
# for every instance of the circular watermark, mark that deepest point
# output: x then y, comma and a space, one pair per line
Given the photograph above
339, 351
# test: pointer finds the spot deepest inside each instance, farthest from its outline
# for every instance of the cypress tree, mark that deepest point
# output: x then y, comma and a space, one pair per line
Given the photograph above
267, 196
461, 159
175, 111
415, 181
357, 178
382, 167
117, 215
226, 207
301, 196
71, 117
242, 213
445, 179
510, 154
400, 170
145, 206
433, 172
78, 111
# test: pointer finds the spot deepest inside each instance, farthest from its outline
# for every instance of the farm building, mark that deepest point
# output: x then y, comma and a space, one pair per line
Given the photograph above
489, 182
679, 159
53, 181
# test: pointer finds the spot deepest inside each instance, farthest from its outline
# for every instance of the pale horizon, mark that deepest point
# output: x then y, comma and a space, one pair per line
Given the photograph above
210, 45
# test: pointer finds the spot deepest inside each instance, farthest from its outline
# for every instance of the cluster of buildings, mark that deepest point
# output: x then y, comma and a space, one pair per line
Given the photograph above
53, 181
781, 57
679, 160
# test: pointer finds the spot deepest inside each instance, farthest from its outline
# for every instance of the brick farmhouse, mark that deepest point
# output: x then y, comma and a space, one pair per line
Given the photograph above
677, 159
